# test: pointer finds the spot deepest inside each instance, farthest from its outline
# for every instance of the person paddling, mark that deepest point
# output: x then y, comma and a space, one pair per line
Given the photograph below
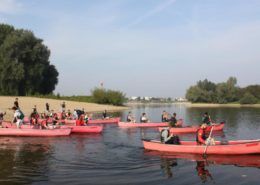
18, 117
201, 134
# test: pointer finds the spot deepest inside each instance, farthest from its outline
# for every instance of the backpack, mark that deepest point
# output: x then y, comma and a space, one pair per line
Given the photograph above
21, 115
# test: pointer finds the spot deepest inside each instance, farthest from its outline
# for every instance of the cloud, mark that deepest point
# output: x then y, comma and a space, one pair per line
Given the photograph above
151, 13
10, 7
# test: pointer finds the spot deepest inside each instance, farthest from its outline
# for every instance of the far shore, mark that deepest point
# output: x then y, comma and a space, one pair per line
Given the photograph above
27, 103
198, 105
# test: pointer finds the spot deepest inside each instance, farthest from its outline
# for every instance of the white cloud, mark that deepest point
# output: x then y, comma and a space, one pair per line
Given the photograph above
151, 13
10, 6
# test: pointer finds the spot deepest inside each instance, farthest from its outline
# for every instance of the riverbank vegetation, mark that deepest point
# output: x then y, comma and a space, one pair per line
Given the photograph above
226, 92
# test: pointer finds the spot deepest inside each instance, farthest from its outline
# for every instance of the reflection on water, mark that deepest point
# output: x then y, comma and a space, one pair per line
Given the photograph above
117, 156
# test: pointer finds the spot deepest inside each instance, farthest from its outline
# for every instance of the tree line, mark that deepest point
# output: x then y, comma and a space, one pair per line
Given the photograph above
25, 68
226, 92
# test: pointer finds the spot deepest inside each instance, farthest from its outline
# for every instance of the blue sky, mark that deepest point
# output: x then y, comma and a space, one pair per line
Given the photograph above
143, 47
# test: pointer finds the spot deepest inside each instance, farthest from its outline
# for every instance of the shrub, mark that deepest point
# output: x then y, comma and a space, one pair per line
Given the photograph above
103, 96
248, 98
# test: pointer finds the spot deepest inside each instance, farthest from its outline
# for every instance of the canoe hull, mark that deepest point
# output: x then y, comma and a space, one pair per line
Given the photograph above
85, 129
193, 129
29, 132
141, 125
190, 147
96, 121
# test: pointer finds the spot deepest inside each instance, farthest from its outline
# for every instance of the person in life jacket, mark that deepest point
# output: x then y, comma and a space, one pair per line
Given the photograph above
168, 138
80, 121
18, 117
206, 119
201, 136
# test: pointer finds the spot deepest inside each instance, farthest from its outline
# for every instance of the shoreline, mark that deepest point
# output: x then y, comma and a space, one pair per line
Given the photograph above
197, 105
26, 104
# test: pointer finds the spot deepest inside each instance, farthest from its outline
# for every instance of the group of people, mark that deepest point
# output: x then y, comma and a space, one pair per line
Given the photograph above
202, 136
48, 116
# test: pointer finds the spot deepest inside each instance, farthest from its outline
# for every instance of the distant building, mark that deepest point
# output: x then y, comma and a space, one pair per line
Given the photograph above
180, 99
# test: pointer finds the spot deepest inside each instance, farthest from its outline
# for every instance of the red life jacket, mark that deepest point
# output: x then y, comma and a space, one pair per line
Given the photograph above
201, 136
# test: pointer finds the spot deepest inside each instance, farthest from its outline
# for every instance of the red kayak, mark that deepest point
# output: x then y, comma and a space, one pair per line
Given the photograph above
34, 132
85, 129
193, 129
96, 121
190, 147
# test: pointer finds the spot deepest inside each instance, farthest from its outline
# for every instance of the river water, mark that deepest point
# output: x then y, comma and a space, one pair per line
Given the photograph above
117, 156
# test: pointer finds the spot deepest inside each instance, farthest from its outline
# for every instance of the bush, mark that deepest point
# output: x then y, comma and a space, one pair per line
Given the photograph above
103, 96
248, 98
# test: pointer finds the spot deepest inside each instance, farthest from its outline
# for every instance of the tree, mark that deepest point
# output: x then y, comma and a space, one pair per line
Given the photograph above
248, 98
103, 96
24, 63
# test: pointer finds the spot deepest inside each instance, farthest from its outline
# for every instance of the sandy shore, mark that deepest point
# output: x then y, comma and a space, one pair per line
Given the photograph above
27, 103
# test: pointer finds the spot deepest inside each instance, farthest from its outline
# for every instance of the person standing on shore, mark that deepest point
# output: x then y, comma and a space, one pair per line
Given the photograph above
47, 107
63, 107
16, 104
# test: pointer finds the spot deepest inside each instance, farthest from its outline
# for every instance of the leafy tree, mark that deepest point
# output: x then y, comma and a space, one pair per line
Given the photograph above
24, 63
104, 96
248, 98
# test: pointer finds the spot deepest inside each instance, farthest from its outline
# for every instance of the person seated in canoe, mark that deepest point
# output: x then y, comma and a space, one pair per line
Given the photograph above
34, 117
2, 117
86, 118
165, 116
144, 118
18, 117
80, 121
206, 119
173, 122
68, 115
130, 117
202, 137
168, 138
104, 114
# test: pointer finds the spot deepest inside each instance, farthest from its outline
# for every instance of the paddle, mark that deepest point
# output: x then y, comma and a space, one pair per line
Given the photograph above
207, 144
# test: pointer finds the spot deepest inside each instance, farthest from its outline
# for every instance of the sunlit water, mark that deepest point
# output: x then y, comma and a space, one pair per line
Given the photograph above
117, 156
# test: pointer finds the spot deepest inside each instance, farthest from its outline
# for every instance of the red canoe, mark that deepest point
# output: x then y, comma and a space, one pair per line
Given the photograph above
141, 125
85, 129
96, 121
190, 147
34, 132
193, 129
